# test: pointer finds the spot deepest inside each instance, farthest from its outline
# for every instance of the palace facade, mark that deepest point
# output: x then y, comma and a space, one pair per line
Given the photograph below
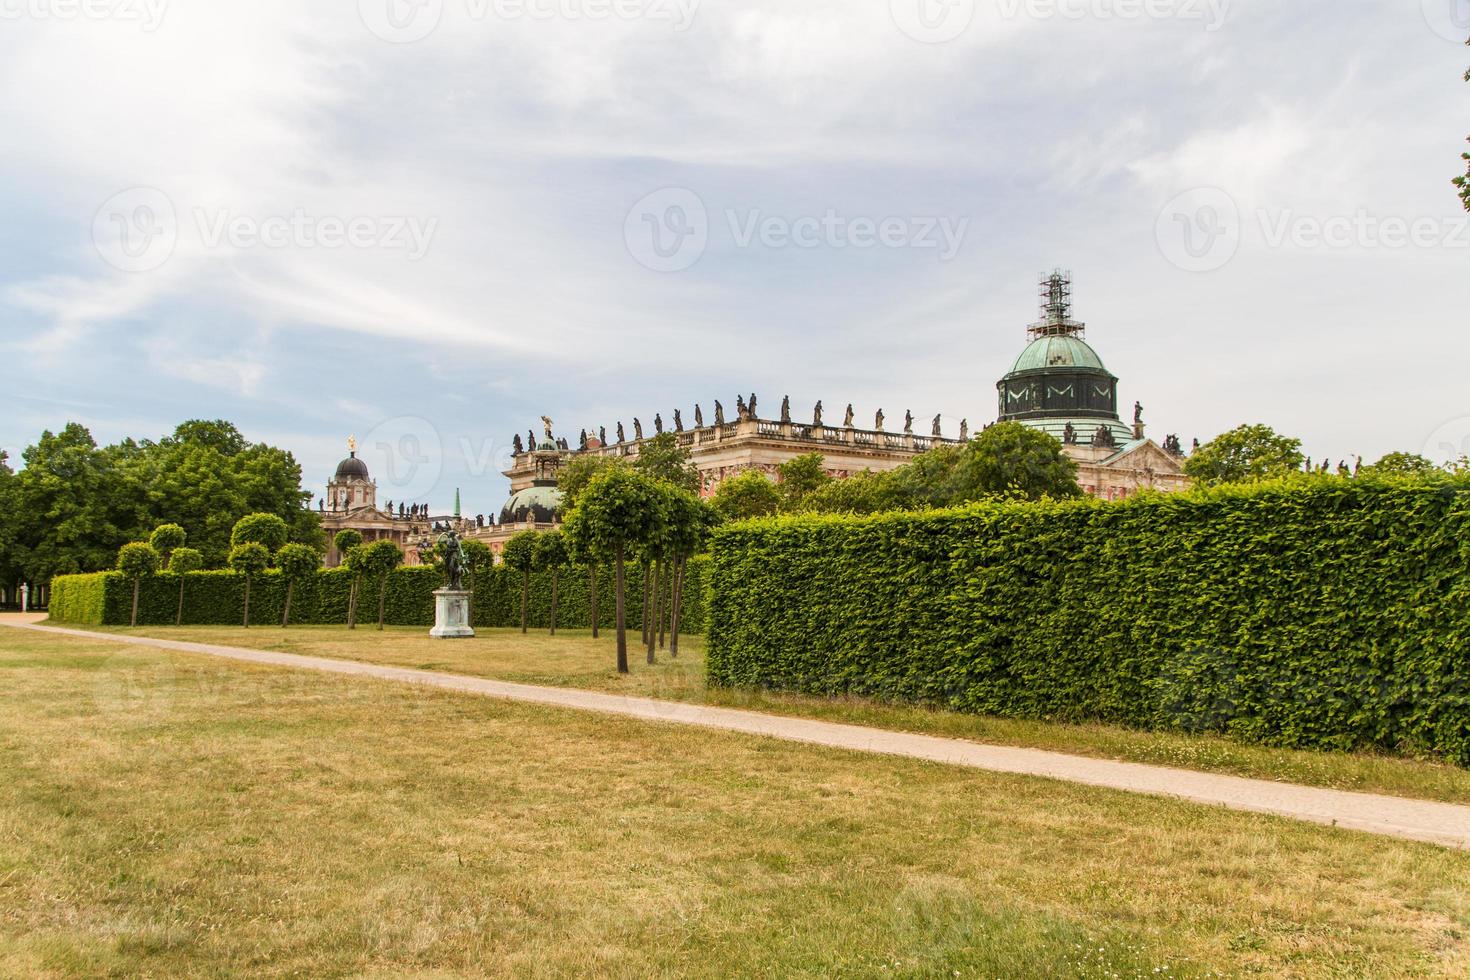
1058, 384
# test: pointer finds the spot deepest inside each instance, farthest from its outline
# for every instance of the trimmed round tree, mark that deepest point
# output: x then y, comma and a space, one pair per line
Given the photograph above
379, 559
266, 530
184, 561
749, 494
166, 539
622, 510
520, 556
574, 528
691, 520
136, 561
249, 559
297, 563
346, 541
355, 561
552, 556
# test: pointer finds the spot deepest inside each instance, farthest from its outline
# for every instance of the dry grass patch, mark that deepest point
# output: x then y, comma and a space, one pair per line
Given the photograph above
574, 659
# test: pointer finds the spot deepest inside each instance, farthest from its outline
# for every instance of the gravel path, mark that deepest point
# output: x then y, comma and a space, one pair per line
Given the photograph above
1439, 823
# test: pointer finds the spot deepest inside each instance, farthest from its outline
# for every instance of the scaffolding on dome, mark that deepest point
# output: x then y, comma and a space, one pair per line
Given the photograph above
1056, 308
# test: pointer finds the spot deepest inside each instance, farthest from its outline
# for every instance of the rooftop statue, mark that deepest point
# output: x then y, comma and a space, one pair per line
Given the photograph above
817, 415
878, 420
678, 421
622, 437
964, 430
741, 412
698, 416
582, 441
547, 422
658, 423
938, 427
847, 419
530, 438
602, 434
1104, 437
786, 410
637, 429
517, 445
751, 406
908, 422
719, 413
1138, 413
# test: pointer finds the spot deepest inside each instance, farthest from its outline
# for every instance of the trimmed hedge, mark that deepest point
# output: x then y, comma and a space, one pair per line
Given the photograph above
1322, 613
217, 599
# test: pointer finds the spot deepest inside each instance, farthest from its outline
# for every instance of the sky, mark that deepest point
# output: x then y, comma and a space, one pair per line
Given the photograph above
427, 223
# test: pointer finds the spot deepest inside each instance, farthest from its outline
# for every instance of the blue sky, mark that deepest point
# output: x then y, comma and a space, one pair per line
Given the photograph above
1253, 196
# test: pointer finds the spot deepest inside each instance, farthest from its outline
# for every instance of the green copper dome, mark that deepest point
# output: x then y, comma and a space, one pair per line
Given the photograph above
1058, 352
539, 503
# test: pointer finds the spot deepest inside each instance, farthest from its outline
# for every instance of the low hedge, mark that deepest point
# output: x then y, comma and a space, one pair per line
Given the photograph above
217, 598
1324, 613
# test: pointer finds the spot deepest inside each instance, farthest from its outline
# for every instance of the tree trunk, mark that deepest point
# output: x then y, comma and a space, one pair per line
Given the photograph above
286, 612
678, 603
525, 598
382, 602
665, 576
647, 577
593, 571
352, 602
650, 613
555, 574
247, 602
136, 582
622, 623
179, 617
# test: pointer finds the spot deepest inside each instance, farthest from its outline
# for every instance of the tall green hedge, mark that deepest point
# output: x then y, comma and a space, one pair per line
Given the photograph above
217, 598
1316, 613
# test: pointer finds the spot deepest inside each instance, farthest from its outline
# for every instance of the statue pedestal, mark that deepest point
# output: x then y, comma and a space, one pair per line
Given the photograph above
451, 615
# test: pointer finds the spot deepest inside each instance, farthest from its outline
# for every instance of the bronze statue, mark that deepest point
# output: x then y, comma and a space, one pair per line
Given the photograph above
817, 415
452, 553
786, 410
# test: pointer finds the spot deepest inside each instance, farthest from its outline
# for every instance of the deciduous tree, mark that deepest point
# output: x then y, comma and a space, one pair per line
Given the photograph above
181, 563
137, 561
800, 477
249, 559
297, 563
520, 555
552, 556
379, 559
1246, 454
746, 495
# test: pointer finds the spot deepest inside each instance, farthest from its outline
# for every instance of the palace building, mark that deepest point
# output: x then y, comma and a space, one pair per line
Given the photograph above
352, 503
1058, 384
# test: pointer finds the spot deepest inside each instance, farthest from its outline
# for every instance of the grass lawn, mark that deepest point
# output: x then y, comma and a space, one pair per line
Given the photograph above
164, 815
574, 659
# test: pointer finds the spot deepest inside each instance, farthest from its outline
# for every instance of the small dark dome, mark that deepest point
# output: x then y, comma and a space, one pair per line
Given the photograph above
352, 468
541, 504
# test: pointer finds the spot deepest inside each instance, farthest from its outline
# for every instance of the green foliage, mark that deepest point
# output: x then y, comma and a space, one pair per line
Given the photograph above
1463, 183
520, 551
166, 538
477, 557
137, 560
381, 557
573, 478
250, 558
298, 561
621, 509
345, 540
267, 530
1310, 612
800, 477
663, 459
550, 552
185, 560
216, 598
746, 495
871, 492
1402, 464
1247, 454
